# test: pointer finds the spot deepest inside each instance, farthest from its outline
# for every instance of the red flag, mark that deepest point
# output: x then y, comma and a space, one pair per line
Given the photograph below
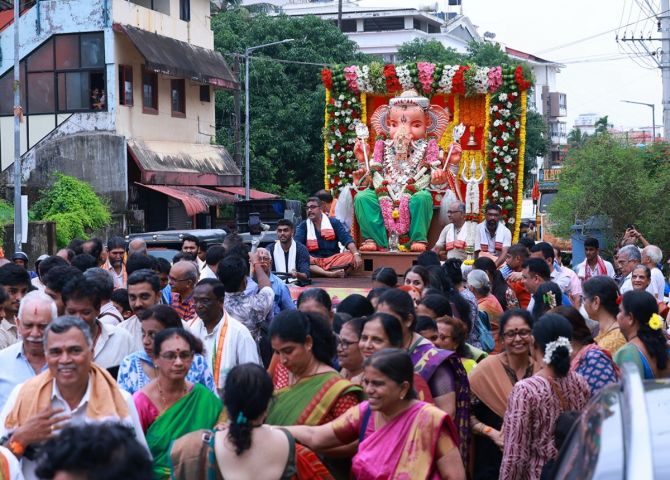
535, 194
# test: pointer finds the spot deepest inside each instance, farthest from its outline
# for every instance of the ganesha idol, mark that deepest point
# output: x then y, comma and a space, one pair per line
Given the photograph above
395, 184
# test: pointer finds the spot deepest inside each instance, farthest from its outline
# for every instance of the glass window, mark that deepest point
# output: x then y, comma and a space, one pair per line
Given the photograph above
185, 10
42, 59
7, 93
204, 93
125, 85
177, 96
92, 50
41, 94
67, 52
149, 91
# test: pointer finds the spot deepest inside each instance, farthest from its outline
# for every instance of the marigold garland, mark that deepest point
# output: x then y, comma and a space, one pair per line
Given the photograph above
487, 124
364, 107
326, 157
522, 151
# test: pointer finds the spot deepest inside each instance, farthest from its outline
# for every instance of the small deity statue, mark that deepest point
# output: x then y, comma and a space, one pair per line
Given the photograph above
394, 185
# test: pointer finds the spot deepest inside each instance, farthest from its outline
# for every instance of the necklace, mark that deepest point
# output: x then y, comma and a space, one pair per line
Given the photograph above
611, 327
162, 396
293, 379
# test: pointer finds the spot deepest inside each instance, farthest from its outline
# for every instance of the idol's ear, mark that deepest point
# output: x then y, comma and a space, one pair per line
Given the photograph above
438, 121
379, 120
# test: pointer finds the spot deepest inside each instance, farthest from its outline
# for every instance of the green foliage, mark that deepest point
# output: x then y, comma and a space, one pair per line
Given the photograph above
6, 212
537, 144
486, 54
601, 125
576, 138
286, 100
624, 183
422, 50
75, 208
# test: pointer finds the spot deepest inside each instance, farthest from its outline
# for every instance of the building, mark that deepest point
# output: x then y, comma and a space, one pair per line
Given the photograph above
586, 123
380, 31
546, 100
120, 93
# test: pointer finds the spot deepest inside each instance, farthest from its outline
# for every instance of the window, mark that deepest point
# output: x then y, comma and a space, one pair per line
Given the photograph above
149, 92
185, 10
204, 93
162, 6
126, 85
383, 24
177, 96
65, 74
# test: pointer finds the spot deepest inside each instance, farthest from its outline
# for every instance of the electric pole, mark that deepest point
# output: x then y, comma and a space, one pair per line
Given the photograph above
664, 21
662, 60
18, 114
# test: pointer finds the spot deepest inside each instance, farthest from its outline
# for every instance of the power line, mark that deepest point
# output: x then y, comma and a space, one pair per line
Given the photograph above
591, 37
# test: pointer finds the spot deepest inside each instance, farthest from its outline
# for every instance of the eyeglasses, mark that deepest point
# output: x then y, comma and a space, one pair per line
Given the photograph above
522, 332
451, 212
343, 344
172, 356
172, 279
312, 207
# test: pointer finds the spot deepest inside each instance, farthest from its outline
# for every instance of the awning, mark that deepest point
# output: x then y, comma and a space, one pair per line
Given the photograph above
175, 163
195, 199
180, 59
253, 194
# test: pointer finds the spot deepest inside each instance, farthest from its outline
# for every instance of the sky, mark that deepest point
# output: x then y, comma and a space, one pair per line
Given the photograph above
599, 72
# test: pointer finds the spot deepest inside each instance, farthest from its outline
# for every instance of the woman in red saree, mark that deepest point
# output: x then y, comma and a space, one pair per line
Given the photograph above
400, 437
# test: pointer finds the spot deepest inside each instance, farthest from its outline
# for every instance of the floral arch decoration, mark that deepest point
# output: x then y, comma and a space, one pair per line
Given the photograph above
490, 101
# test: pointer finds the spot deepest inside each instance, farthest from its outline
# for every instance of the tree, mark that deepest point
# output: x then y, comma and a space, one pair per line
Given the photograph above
286, 99
487, 54
602, 125
576, 138
74, 206
422, 50
623, 183
537, 144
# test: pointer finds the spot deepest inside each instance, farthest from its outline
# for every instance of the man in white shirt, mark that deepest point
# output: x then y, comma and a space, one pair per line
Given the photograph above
493, 238
215, 254
144, 291
452, 240
110, 343
561, 277
73, 391
651, 258
628, 257
25, 359
593, 265
105, 283
226, 340
16, 282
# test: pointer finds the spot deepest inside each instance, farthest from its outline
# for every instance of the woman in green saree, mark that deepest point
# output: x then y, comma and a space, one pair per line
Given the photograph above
308, 390
169, 406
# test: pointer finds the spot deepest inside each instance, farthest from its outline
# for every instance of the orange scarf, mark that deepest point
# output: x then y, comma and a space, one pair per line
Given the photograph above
35, 396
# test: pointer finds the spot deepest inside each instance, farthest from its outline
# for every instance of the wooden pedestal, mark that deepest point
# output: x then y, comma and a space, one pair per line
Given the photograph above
398, 261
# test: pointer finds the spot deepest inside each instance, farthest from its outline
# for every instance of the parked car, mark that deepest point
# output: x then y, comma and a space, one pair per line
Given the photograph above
167, 244
623, 433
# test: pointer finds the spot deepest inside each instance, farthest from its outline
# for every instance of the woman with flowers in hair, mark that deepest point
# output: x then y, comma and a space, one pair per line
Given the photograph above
642, 326
536, 402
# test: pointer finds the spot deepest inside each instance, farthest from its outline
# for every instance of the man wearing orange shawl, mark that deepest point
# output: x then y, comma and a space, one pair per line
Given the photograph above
72, 391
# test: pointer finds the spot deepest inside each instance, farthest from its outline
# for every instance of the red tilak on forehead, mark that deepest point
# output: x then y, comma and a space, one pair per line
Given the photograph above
35, 311
403, 119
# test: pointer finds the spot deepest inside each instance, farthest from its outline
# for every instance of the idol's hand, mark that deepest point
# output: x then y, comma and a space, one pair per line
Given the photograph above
438, 177
358, 151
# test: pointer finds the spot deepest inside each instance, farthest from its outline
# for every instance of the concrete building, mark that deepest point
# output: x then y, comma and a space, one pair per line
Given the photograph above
119, 93
586, 122
380, 31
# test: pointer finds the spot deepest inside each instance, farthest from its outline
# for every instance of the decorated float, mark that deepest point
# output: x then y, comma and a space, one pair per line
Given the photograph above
402, 142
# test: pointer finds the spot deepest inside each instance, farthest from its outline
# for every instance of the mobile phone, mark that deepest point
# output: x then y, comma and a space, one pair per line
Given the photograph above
630, 226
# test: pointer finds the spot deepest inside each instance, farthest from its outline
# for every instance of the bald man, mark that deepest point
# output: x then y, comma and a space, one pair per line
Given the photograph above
137, 245
182, 278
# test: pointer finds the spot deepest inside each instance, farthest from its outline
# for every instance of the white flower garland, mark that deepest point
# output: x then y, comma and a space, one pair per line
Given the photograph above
405, 78
481, 80
552, 346
446, 81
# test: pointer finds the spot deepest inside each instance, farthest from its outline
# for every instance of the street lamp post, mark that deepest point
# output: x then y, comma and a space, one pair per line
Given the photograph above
247, 58
653, 116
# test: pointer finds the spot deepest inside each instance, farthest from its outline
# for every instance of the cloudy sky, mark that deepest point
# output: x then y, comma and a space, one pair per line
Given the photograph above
599, 72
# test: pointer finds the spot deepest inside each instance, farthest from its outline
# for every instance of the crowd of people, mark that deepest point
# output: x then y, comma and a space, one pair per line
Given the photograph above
117, 364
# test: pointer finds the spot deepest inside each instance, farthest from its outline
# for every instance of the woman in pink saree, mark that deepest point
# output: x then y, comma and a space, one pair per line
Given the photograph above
399, 437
